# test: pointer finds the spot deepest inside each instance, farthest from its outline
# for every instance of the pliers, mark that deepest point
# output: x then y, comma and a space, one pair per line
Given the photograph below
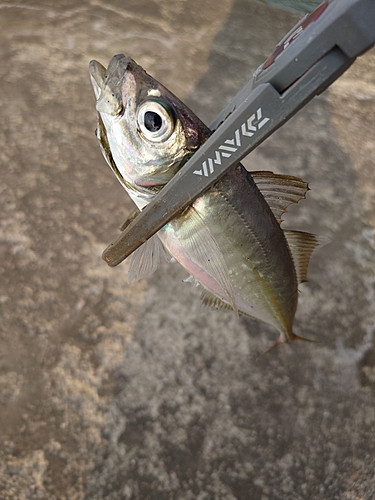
319, 49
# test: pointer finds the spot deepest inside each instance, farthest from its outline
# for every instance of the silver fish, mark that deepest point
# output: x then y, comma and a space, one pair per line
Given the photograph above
229, 239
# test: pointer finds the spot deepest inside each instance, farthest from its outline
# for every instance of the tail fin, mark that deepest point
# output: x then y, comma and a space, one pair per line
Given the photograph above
280, 340
297, 337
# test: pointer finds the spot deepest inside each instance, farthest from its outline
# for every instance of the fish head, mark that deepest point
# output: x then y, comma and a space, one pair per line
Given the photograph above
146, 133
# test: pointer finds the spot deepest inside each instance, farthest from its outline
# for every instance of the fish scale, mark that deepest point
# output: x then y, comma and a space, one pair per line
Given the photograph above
244, 237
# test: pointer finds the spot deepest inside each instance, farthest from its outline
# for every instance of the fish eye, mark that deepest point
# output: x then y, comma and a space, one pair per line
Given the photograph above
155, 121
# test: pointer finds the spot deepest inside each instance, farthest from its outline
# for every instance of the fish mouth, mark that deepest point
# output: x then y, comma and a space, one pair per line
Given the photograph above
107, 84
97, 75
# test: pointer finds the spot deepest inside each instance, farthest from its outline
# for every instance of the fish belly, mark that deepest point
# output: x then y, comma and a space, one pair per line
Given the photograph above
235, 225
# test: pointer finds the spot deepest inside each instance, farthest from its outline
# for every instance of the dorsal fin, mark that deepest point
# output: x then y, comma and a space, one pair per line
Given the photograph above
280, 191
301, 247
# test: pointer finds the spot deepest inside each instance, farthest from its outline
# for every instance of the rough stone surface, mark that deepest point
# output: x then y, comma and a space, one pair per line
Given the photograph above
111, 391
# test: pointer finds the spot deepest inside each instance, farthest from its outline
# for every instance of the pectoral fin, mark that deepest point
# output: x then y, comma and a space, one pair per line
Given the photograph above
201, 246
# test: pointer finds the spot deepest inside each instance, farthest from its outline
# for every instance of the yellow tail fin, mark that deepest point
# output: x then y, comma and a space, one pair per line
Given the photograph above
297, 337
280, 340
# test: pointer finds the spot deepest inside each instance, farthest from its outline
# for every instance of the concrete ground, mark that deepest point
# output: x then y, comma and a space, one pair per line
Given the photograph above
111, 391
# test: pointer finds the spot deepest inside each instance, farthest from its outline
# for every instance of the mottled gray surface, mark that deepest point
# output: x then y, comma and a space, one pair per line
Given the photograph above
110, 391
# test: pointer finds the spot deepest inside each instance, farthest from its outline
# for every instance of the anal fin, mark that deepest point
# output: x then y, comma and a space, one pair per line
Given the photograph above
209, 299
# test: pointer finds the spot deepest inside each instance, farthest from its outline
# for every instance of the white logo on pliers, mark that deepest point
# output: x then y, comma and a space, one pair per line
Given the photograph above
230, 146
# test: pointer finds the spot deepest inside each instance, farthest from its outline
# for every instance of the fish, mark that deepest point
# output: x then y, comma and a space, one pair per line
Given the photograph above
230, 238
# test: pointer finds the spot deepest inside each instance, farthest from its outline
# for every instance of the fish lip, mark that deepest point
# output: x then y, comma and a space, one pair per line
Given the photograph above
107, 84
119, 62
97, 75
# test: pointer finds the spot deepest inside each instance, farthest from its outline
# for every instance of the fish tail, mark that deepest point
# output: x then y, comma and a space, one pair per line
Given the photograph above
297, 337
282, 340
